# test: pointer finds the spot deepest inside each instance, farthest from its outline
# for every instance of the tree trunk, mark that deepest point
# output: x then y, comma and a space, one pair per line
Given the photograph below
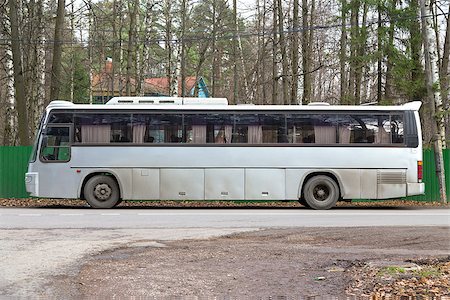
131, 40
295, 47
380, 55
40, 71
248, 95
72, 54
389, 84
201, 60
55, 84
343, 52
258, 66
11, 112
10, 131
274, 55
362, 36
235, 55
146, 46
262, 77
183, 48
21, 105
138, 54
175, 72
433, 93
90, 51
354, 43
306, 62
444, 76
284, 58
416, 47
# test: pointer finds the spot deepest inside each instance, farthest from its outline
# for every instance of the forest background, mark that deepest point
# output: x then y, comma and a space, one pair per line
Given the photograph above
287, 52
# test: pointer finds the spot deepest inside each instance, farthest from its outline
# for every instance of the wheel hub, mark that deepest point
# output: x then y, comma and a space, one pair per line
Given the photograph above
321, 193
102, 191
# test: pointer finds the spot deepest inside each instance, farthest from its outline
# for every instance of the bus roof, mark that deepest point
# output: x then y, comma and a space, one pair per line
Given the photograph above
415, 105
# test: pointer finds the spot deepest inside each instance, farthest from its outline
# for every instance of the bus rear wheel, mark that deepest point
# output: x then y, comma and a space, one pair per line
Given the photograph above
102, 191
321, 192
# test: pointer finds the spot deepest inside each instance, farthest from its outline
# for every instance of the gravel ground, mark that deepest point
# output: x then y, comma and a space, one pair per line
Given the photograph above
281, 263
37, 202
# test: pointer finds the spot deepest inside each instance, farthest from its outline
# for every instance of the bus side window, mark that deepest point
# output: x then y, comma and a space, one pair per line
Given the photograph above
56, 144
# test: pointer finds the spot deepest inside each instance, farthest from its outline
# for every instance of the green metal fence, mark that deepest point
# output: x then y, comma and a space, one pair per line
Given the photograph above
14, 161
13, 165
430, 178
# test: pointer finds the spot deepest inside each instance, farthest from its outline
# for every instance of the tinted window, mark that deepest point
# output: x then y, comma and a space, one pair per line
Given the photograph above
103, 128
61, 118
208, 128
236, 127
165, 128
56, 144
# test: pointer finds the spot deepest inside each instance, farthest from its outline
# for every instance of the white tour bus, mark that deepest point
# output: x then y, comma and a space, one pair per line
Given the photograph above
154, 148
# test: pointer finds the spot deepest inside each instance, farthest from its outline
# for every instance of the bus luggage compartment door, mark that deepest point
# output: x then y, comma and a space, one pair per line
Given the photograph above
265, 184
224, 184
182, 184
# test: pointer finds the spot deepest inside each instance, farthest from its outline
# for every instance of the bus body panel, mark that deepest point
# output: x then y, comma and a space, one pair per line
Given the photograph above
194, 172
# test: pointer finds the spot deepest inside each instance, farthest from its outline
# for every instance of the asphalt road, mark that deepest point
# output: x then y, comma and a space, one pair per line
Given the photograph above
46, 218
37, 244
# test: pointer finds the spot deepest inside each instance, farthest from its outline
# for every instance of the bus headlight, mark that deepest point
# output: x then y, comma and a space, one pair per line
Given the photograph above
28, 179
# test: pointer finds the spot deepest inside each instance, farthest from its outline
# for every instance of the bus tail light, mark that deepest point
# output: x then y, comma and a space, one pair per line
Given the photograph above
419, 170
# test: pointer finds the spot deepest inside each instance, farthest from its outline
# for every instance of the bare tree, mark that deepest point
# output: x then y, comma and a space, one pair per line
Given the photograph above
182, 45
147, 42
10, 124
132, 9
21, 105
274, 53
284, 56
295, 47
306, 60
235, 55
444, 76
434, 94
55, 84
343, 51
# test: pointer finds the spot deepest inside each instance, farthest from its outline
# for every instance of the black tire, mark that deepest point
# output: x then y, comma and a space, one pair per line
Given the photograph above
102, 192
321, 192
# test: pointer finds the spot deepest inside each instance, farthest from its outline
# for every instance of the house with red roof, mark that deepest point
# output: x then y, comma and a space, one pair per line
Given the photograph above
105, 85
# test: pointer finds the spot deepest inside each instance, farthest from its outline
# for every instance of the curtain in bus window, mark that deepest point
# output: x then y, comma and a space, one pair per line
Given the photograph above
219, 135
228, 133
344, 135
199, 134
95, 134
254, 134
383, 132
324, 134
325, 128
138, 133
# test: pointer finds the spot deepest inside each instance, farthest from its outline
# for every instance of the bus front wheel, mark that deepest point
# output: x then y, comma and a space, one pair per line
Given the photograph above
102, 191
321, 192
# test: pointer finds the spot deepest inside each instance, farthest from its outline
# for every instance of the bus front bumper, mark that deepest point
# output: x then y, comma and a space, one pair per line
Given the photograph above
32, 183
415, 189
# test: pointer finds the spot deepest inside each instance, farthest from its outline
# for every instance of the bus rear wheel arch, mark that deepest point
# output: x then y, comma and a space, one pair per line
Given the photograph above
321, 191
102, 191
